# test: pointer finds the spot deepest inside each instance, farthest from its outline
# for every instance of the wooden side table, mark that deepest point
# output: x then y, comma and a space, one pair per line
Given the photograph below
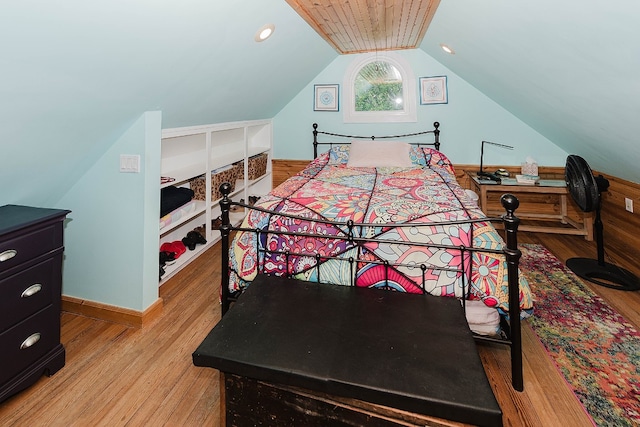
544, 186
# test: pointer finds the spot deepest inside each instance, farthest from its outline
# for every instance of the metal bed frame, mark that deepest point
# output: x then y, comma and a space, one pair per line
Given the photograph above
435, 143
511, 326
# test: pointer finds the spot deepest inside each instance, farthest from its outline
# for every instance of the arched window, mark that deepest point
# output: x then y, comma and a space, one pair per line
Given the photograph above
379, 88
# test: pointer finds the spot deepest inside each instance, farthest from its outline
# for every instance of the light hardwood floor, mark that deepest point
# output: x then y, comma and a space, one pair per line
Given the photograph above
119, 376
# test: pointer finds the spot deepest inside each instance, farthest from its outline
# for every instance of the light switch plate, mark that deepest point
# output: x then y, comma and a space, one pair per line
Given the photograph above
130, 163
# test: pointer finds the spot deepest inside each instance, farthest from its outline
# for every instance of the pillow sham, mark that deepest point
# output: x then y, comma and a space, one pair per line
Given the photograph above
371, 154
338, 155
430, 157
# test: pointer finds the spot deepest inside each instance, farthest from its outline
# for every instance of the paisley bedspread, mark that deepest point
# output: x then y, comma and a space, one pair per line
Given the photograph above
424, 195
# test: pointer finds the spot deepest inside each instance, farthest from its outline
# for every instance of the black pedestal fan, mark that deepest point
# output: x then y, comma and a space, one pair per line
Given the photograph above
586, 191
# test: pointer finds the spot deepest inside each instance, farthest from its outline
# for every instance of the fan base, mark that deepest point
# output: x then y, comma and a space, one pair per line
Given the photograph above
608, 275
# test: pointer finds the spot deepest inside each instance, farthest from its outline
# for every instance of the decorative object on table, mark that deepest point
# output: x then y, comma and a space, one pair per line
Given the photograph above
586, 190
486, 176
433, 90
529, 167
325, 97
527, 179
591, 344
502, 173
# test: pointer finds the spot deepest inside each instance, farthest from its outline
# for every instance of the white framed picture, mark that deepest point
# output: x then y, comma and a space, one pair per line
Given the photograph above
325, 97
433, 90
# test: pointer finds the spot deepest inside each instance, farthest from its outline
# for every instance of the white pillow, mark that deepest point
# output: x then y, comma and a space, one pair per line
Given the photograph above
371, 154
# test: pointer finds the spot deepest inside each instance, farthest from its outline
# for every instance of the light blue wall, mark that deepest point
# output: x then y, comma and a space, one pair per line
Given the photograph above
111, 235
467, 119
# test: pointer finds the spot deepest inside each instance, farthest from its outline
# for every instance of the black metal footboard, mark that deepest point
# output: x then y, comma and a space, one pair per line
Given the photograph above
510, 327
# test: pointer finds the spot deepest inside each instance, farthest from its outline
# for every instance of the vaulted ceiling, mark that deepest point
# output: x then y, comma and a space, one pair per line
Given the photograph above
76, 74
357, 26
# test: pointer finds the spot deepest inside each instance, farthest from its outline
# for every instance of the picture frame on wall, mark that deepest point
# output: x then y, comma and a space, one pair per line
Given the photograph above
433, 90
326, 97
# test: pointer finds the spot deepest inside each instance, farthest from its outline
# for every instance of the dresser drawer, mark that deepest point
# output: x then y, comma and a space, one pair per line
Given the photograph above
29, 291
29, 340
30, 245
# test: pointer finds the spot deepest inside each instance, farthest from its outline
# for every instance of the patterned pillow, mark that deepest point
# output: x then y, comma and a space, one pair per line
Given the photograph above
427, 156
419, 156
338, 154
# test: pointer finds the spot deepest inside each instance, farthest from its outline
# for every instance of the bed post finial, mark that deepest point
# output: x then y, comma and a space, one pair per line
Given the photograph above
315, 140
512, 255
436, 134
225, 205
510, 203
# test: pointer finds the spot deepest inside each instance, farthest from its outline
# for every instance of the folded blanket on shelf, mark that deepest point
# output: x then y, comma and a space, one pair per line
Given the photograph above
173, 197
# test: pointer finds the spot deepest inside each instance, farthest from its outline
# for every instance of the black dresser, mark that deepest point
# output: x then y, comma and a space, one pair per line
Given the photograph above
31, 248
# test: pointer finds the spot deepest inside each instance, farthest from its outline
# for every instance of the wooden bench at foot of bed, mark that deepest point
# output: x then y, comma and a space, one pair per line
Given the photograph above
403, 351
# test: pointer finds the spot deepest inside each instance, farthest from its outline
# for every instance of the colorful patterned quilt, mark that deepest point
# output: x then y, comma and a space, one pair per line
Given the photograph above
425, 195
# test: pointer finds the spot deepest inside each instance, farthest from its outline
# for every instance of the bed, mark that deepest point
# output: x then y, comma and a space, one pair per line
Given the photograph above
387, 213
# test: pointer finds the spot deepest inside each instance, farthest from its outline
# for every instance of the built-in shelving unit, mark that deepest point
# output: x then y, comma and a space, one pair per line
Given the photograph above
196, 151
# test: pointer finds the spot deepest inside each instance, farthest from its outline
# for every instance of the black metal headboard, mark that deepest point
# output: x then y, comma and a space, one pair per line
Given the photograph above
435, 143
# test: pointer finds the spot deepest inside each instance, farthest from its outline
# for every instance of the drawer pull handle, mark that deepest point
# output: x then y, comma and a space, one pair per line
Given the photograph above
31, 290
8, 254
34, 338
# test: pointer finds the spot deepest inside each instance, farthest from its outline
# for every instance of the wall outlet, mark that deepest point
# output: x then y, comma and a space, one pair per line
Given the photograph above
628, 204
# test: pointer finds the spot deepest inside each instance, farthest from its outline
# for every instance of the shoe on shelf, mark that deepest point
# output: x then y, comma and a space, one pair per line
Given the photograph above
197, 237
202, 230
167, 258
236, 208
216, 224
189, 243
192, 239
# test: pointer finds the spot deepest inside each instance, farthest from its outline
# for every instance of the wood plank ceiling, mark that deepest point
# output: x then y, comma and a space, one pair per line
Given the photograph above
356, 26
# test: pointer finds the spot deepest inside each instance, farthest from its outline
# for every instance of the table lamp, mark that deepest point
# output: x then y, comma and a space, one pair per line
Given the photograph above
486, 175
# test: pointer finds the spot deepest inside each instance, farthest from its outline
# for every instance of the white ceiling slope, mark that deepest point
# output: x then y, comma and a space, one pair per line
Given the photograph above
569, 69
75, 74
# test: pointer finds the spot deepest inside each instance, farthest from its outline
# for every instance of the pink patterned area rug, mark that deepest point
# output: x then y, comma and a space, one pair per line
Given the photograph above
595, 348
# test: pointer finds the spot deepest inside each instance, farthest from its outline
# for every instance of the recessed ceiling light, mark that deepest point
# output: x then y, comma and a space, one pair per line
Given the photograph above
447, 49
264, 32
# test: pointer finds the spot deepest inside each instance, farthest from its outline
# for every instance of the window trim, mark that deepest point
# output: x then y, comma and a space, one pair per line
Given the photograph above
408, 114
